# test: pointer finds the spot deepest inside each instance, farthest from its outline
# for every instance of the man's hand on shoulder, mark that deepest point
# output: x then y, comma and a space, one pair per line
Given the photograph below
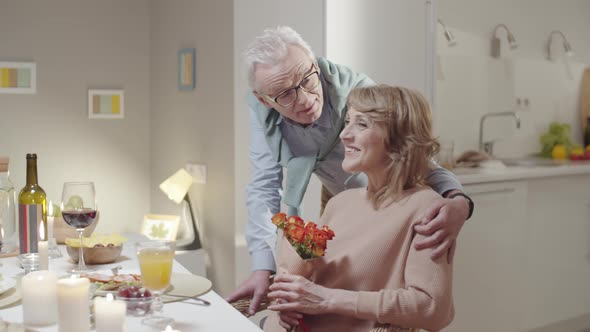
256, 286
441, 225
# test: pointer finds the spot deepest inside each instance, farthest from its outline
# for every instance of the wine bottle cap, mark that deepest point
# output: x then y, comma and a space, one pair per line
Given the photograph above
31, 156
4, 164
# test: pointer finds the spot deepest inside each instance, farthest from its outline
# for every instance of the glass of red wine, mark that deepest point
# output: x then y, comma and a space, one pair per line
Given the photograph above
78, 208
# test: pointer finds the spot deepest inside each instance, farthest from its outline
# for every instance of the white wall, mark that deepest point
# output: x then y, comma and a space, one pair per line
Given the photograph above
382, 38
250, 19
196, 125
472, 83
79, 45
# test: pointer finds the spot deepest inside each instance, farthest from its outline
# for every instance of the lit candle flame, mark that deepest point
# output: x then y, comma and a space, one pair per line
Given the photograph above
42, 231
110, 297
168, 328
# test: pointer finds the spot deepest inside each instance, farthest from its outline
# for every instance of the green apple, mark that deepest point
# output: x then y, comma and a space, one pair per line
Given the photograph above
74, 203
56, 210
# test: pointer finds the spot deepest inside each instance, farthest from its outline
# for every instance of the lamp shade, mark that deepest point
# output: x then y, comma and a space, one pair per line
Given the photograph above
177, 185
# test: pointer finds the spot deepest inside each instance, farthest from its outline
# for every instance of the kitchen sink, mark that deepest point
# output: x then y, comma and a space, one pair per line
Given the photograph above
533, 162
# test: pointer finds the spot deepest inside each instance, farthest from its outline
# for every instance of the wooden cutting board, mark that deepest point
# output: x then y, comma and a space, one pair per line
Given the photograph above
585, 98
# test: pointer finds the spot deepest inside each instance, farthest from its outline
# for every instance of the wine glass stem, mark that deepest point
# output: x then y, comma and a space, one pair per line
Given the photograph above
81, 263
157, 305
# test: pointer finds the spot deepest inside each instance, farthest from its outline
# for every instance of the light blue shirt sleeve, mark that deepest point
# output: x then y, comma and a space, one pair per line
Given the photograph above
263, 199
442, 180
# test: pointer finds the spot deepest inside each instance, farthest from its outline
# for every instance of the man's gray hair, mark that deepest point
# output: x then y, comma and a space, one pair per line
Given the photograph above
270, 48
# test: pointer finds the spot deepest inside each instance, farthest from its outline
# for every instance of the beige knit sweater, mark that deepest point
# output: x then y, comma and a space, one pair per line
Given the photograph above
373, 254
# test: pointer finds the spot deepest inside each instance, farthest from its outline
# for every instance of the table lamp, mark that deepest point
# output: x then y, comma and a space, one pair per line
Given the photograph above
176, 187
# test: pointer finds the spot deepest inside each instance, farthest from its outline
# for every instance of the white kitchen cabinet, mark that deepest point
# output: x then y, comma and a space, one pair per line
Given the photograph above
558, 250
523, 260
488, 274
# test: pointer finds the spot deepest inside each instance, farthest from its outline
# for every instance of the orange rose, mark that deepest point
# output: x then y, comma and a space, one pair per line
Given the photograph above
329, 233
295, 220
320, 239
279, 220
296, 233
310, 225
310, 229
318, 251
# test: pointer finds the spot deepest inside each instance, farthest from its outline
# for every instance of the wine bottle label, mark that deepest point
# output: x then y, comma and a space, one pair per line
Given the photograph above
30, 217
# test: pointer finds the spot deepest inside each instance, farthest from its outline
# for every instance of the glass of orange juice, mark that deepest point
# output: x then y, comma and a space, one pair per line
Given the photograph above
155, 262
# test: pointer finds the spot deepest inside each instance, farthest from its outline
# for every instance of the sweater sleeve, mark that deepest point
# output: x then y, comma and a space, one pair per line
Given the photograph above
425, 302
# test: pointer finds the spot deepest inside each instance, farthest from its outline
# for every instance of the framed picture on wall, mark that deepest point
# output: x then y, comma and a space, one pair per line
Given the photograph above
160, 226
186, 69
106, 104
18, 77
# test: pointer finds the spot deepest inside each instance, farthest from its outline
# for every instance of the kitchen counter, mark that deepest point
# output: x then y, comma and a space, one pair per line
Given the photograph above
512, 173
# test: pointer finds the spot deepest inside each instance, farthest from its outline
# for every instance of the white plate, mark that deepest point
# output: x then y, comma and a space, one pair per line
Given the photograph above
7, 284
10, 294
183, 284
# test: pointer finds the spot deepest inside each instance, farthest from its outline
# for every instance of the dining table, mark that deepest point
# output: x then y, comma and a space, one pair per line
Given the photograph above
188, 315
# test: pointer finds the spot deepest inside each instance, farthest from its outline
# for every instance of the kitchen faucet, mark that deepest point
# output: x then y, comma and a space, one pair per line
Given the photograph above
488, 147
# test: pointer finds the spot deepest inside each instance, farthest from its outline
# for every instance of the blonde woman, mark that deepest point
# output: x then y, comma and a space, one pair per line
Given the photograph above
371, 273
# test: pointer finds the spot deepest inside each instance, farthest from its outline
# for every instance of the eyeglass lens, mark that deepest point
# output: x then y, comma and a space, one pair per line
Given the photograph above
309, 83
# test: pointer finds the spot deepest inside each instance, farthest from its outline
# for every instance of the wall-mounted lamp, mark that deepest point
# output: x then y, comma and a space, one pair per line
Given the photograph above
567, 48
176, 187
448, 34
496, 45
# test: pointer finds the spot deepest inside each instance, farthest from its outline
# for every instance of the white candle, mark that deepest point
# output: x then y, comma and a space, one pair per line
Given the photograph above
49, 227
169, 329
39, 298
109, 314
72, 305
49, 220
43, 255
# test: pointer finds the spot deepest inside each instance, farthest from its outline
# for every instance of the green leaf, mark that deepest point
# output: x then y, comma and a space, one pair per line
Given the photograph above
159, 231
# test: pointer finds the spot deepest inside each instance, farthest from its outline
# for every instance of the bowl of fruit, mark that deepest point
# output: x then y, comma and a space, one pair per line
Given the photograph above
138, 299
97, 249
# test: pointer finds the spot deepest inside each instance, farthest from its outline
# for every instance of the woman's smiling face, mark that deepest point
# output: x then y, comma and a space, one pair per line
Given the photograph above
364, 144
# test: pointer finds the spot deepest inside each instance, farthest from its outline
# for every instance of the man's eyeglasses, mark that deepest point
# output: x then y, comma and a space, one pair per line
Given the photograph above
307, 84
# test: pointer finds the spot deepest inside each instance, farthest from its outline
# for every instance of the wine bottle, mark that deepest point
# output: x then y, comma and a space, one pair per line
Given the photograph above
8, 228
32, 209
587, 133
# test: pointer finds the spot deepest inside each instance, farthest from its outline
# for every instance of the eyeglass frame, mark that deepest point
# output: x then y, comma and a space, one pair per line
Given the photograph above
296, 88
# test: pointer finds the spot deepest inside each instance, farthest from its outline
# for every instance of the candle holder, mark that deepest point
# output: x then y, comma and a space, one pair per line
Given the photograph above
30, 262
53, 249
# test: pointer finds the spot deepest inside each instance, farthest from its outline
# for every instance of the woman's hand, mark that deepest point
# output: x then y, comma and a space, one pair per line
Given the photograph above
288, 319
295, 293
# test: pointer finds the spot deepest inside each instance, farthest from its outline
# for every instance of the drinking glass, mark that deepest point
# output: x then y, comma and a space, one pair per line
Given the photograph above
445, 157
78, 208
155, 262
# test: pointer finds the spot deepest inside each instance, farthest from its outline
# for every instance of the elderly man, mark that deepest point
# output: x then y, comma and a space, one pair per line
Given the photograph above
297, 108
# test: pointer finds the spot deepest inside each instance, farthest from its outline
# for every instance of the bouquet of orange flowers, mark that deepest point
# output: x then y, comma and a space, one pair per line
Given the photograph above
307, 239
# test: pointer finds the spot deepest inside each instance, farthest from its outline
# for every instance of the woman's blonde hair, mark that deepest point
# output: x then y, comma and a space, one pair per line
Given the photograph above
405, 118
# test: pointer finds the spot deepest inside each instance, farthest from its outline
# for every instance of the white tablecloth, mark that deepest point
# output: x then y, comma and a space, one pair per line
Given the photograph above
220, 316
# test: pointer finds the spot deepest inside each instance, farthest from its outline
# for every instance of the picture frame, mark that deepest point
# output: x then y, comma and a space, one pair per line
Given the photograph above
186, 69
160, 226
106, 104
18, 77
